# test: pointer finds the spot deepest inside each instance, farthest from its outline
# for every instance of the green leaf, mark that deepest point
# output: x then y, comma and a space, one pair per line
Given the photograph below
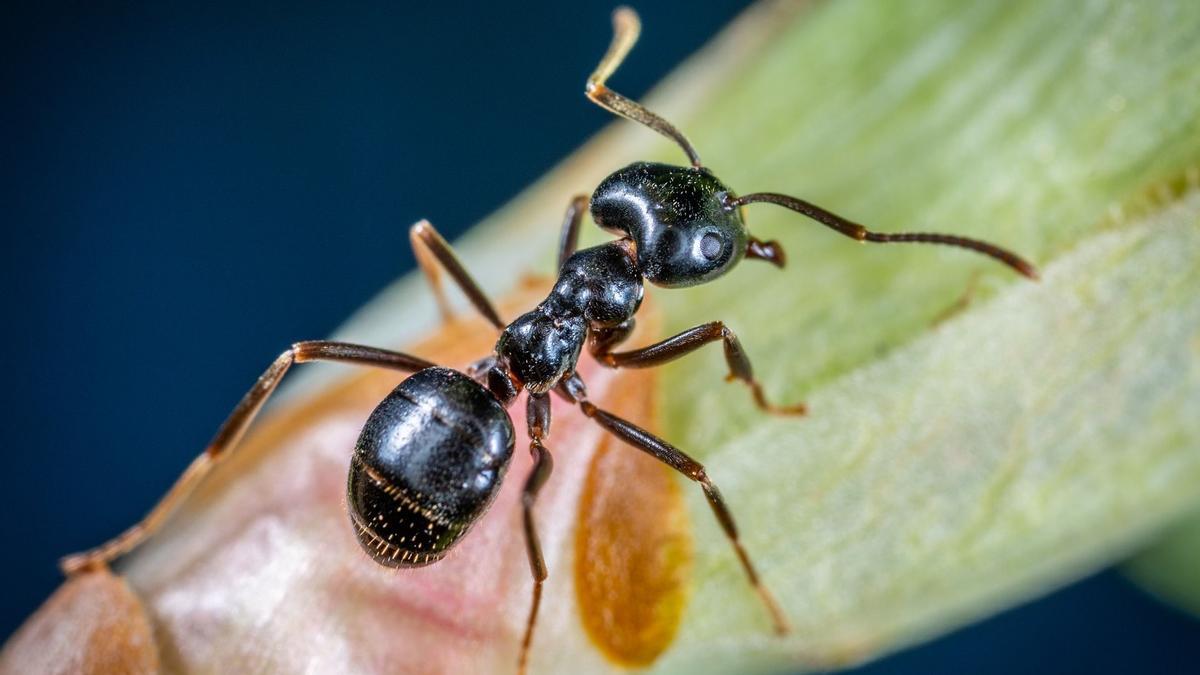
1168, 567
1042, 434
948, 469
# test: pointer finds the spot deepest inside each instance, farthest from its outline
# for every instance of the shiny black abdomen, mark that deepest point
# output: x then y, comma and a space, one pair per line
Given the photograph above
427, 465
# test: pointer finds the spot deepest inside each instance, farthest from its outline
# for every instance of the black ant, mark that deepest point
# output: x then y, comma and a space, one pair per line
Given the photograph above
432, 455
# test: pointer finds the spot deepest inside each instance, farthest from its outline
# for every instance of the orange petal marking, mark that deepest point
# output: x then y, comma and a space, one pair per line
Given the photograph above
633, 548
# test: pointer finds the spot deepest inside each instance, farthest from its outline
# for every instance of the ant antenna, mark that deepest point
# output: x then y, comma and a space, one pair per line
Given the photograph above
855, 231
626, 27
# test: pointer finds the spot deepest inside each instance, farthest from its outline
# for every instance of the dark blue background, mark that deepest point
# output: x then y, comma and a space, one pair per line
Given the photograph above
186, 191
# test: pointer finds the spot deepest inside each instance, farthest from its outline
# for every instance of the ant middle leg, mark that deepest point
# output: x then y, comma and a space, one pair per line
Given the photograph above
601, 341
675, 458
434, 253
230, 433
538, 419
689, 341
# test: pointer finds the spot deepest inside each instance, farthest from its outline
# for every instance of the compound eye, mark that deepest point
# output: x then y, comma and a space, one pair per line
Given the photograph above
711, 246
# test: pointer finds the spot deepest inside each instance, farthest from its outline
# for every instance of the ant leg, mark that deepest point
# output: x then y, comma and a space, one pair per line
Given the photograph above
601, 341
689, 341
538, 417
227, 437
626, 27
676, 459
433, 252
569, 241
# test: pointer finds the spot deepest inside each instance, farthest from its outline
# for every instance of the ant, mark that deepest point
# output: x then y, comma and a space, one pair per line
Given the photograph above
431, 457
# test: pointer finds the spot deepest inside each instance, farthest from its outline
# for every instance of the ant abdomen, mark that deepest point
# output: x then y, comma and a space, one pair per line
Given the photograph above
427, 465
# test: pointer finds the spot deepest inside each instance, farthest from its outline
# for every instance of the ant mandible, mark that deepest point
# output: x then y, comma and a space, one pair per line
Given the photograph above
431, 457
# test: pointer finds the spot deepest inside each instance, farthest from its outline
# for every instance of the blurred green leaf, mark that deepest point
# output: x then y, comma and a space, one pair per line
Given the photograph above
1168, 569
949, 471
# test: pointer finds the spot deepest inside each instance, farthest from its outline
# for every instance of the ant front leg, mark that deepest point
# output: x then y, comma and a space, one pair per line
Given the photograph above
689, 341
538, 420
569, 239
676, 459
433, 252
227, 437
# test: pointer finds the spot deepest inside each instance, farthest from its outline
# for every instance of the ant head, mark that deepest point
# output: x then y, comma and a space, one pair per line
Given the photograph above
681, 218
686, 224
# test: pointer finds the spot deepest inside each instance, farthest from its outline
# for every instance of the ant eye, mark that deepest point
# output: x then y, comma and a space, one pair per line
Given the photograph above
710, 246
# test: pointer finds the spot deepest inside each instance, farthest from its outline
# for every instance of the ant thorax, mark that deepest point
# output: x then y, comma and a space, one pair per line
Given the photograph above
597, 287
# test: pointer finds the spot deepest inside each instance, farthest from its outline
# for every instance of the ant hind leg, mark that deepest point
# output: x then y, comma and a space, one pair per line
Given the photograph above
676, 459
228, 436
538, 407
